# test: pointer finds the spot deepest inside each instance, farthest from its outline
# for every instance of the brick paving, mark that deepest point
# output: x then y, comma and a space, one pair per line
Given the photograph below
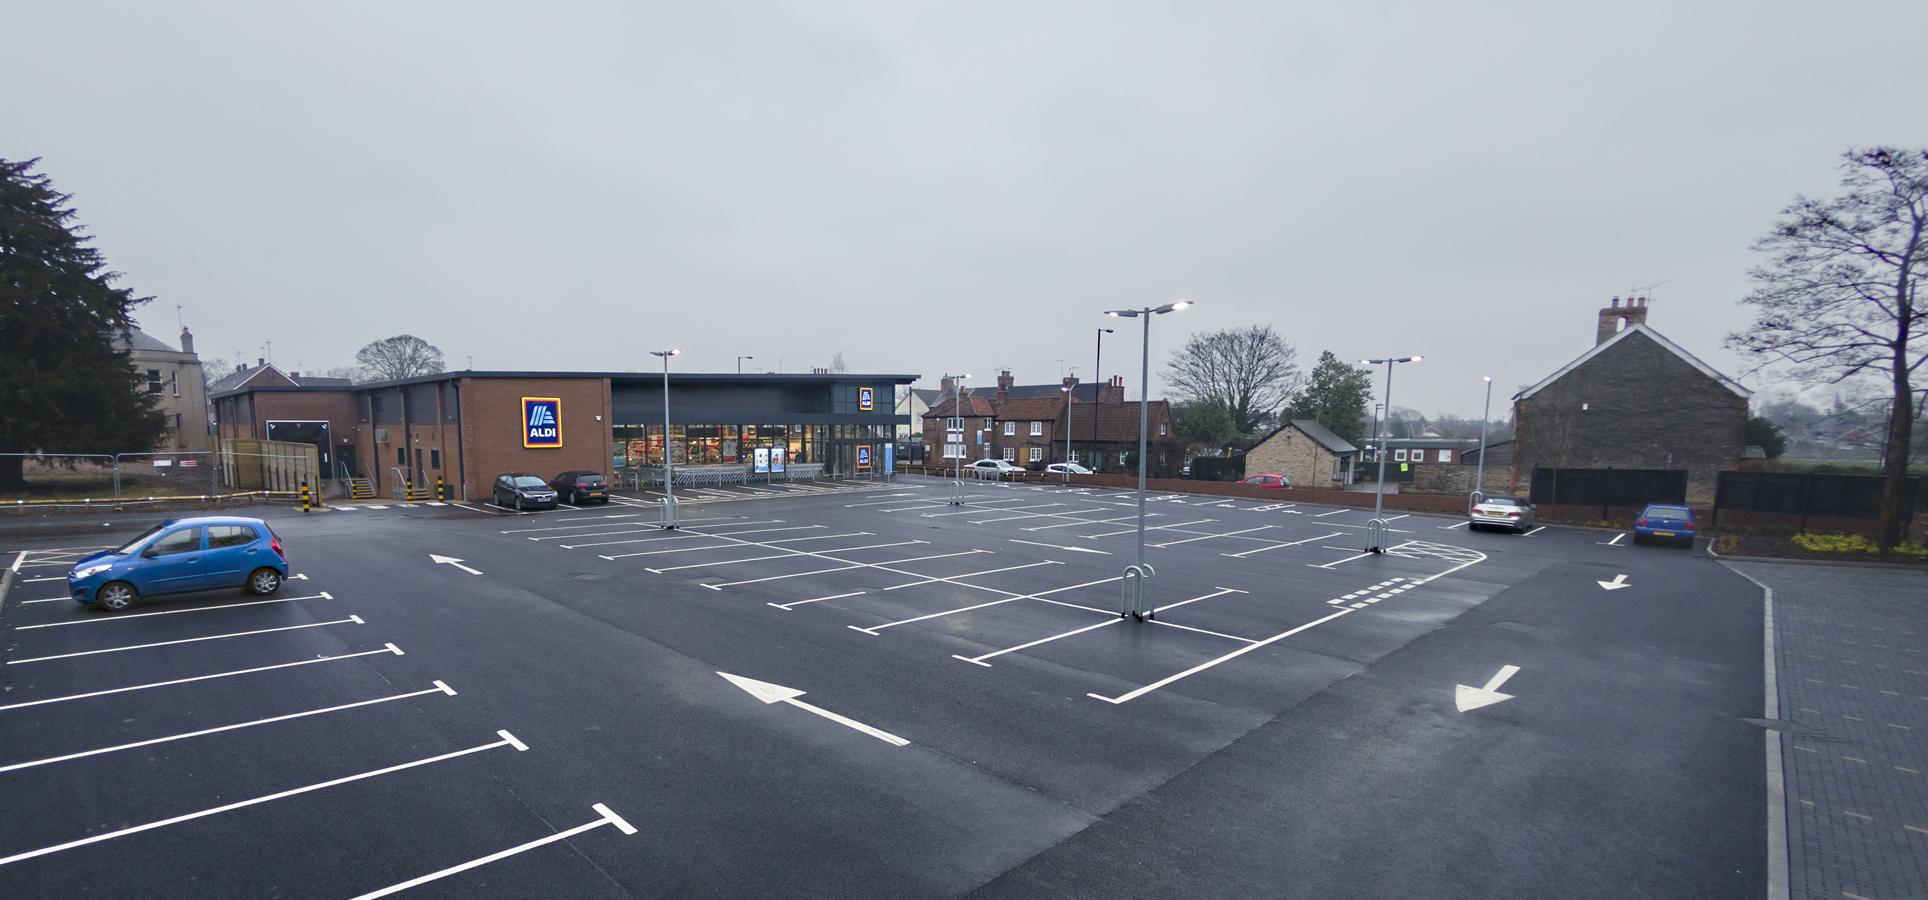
1852, 648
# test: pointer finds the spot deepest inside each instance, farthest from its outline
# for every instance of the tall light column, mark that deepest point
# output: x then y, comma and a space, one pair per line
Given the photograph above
669, 474
1097, 388
957, 412
1070, 387
739, 363
1376, 529
1135, 601
1479, 480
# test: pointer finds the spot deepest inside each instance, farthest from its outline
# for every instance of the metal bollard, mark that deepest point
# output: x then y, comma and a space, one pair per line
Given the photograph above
304, 495
441, 489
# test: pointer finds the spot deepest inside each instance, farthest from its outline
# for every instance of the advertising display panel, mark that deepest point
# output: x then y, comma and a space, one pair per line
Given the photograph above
762, 456
776, 459
890, 459
541, 422
863, 458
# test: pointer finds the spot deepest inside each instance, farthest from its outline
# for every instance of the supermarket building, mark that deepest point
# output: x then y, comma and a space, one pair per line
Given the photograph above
466, 428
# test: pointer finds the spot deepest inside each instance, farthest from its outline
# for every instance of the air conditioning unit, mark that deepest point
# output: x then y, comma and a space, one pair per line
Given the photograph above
381, 435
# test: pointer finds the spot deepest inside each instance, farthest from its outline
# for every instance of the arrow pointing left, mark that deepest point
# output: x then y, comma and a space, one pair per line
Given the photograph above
776, 693
453, 562
1470, 698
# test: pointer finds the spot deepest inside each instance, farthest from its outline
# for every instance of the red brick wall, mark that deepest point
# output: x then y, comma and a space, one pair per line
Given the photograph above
492, 429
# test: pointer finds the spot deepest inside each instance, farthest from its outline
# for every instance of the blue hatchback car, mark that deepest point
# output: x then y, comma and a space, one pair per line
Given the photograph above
1665, 521
180, 555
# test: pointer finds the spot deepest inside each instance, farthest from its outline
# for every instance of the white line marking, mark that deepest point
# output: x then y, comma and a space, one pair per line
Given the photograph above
786, 606
776, 693
440, 689
1210, 536
508, 740
1229, 637
935, 580
1616, 539
18, 560
882, 566
215, 637
1131, 695
980, 660
1332, 513
1536, 530
1336, 562
732, 562
1292, 544
1013, 597
608, 818
1057, 547
1150, 528
388, 648
1451, 527
123, 618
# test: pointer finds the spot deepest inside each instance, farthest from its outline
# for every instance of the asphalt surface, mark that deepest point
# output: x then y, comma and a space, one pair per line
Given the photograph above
977, 719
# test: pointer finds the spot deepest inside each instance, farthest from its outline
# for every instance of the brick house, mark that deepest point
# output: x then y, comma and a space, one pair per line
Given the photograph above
1305, 452
1032, 429
1634, 401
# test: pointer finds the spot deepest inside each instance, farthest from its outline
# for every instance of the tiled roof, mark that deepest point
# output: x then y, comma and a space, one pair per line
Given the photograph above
1085, 393
1046, 409
1117, 422
136, 339
1324, 436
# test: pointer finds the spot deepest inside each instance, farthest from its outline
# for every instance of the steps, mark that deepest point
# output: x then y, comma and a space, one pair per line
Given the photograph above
361, 489
420, 493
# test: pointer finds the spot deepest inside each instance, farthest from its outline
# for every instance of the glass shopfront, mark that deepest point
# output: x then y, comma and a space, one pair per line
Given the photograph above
717, 445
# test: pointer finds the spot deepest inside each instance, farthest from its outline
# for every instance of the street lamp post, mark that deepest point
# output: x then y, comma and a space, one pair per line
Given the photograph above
957, 412
1376, 529
739, 363
1097, 387
1479, 480
1134, 602
1070, 386
669, 474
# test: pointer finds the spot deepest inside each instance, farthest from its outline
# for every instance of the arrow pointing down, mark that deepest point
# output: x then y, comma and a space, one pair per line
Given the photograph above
1618, 582
453, 562
776, 693
1471, 698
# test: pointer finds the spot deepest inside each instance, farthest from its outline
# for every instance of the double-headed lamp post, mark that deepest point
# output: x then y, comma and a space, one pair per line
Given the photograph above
1070, 385
1479, 480
957, 412
669, 479
1376, 529
1135, 602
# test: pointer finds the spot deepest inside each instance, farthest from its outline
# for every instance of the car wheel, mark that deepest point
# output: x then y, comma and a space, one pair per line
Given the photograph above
115, 596
1637, 539
518, 503
264, 581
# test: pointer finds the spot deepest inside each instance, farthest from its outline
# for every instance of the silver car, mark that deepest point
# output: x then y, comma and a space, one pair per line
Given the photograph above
1503, 512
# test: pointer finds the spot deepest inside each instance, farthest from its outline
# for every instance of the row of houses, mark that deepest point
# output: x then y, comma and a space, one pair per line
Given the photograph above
1039, 424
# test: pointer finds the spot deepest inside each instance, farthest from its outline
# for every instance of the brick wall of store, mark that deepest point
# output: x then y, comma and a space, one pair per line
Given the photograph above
1293, 454
492, 429
1635, 406
337, 407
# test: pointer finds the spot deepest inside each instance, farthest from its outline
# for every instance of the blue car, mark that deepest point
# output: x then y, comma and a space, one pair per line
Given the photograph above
180, 555
1665, 521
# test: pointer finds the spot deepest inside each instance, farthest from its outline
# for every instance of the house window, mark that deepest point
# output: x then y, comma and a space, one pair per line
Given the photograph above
1010, 428
1445, 456
1399, 455
1010, 454
1037, 454
1161, 429
953, 424
953, 451
1037, 428
174, 381
435, 459
153, 381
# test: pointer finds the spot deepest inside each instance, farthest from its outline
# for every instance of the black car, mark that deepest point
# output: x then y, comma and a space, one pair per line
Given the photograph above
523, 490
578, 488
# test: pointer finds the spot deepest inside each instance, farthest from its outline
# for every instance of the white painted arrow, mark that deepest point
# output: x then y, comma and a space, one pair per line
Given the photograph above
774, 693
1618, 582
1470, 698
453, 562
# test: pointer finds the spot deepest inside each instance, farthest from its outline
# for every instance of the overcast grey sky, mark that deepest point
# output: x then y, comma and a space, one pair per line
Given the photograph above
947, 187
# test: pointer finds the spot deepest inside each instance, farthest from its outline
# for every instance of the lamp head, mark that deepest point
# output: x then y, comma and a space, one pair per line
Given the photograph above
1172, 307
1489, 379
1106, 330
1122, 313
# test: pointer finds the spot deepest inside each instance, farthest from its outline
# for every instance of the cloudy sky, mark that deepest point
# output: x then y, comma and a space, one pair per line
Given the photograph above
933, 187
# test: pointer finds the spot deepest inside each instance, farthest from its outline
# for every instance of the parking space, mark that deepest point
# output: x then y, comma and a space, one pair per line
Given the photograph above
173, 739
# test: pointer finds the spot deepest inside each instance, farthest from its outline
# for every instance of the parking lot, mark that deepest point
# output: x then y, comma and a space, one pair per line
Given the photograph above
865, 689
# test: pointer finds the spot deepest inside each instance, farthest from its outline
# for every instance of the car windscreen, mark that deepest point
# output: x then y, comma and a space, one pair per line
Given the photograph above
1666, 512
529, 481
128, 547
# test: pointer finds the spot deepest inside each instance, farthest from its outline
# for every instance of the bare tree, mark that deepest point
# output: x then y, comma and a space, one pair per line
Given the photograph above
402, 356
1838, 299
837, 365
1250, 371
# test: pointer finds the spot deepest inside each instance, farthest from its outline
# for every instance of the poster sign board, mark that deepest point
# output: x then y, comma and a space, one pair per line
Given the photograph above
890, 459
542, 422
762, 456
776, 459
866, 399
863, 458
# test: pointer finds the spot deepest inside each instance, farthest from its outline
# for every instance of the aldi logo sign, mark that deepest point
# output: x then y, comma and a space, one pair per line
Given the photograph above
541, 422
863, 457
866, 399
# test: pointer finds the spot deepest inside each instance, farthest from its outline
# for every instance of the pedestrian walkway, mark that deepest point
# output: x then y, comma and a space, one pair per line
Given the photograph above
1851, 654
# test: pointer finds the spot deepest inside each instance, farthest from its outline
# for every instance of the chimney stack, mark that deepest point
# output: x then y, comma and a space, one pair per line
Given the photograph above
187, 340
1112, 392
1616, 318
944, 385
1004, 382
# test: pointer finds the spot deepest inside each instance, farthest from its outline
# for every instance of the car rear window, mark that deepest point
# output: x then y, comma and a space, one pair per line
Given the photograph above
529, 481
1666, 512
230, 536
590, 479
1500, 501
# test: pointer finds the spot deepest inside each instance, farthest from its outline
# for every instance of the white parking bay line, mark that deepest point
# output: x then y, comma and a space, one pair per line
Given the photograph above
213, 637
1152, 528
1048, 562
387, 648
439, 688
324, 595
787, 555
828, 558
1292, 544
1338, 561
508, 740
1332, 513
1007, 599
1129, 695
1210, 536
1058, 547
786, 606
608, 818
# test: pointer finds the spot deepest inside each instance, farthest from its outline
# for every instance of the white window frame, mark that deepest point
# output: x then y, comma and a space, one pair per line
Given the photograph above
954, 424
1037, 454
1010, 454
953, 451
1037, 429
1445, 456
1399, 455
1010, 429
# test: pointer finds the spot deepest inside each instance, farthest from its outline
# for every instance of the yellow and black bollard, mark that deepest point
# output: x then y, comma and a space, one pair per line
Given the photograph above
441, 490
304, 495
